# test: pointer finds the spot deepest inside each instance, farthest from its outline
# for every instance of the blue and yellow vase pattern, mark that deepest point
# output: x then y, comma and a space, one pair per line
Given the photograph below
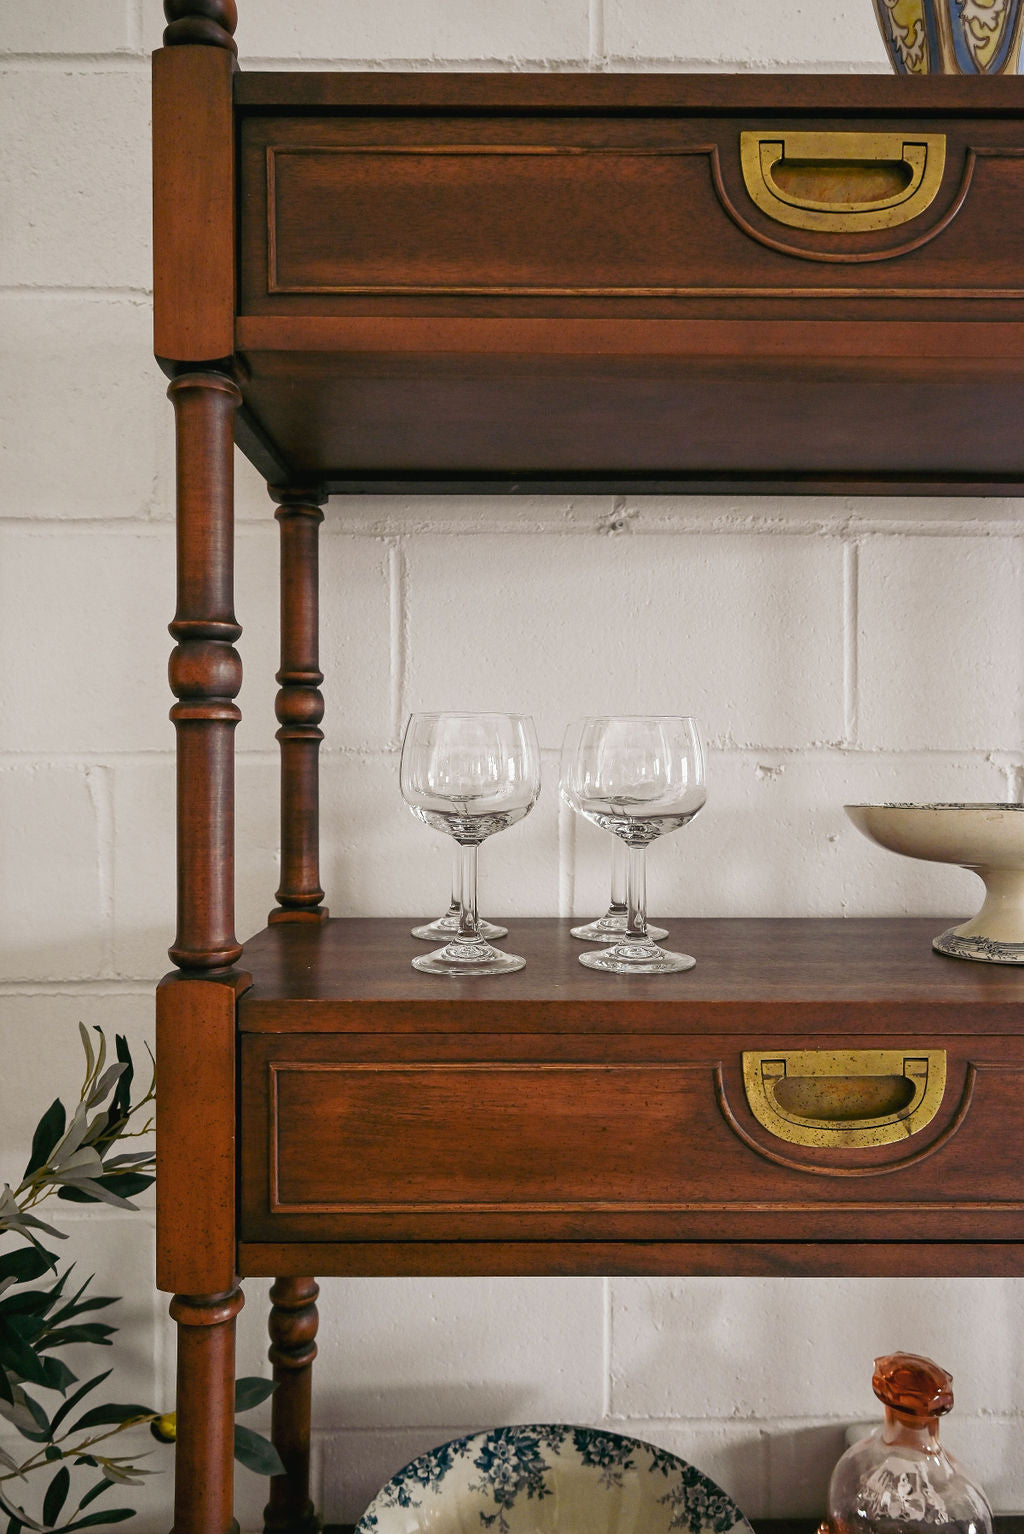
952, 37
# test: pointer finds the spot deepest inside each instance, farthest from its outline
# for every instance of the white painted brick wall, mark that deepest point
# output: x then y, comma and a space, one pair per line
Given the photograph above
87, 27
530, 33
588, 612
835, 649
749, 34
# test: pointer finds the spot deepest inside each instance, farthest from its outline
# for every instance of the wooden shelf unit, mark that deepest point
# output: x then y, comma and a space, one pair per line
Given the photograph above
339, 288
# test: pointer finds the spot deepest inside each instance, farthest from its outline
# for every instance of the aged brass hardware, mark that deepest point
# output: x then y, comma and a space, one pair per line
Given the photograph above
784, 171
844, 1097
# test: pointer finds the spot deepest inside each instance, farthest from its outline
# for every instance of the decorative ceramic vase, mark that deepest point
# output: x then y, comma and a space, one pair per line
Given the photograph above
952, 37
899, 1479
986, 838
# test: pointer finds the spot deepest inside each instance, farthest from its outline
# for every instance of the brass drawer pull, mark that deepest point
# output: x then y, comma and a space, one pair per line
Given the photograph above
844, 1097
872, 180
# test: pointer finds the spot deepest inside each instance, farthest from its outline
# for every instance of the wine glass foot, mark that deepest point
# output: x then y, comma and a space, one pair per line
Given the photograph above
468, 958
447, 926
637, 958
611, 928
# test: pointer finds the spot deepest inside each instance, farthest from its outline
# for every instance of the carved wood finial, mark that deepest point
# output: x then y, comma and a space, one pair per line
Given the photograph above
212, 22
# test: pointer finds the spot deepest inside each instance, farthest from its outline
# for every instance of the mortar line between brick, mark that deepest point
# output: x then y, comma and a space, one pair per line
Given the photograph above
121, 62
95, 987
780, 1425
66, 290
398, 622
566, 859
1014, 775
851, 639
129, 61
436, 64
597, 55
268, 756
99, 784
328, 1431
248, 756
135, 25
385, 526
606, 1392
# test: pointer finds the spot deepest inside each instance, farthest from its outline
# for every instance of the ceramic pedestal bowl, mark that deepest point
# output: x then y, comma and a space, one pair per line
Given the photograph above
550, 1479
986, 838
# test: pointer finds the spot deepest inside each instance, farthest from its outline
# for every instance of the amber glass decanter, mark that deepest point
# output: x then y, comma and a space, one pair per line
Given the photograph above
899, 1479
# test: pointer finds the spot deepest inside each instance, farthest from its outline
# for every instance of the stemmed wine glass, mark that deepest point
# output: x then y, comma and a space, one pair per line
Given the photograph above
640, 778
448, 925
612, 926
470, 775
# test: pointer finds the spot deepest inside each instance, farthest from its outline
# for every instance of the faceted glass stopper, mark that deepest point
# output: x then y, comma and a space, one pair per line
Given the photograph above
915, 1389
900, 1479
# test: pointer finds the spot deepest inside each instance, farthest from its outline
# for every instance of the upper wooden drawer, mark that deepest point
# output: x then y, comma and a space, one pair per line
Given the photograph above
648, 1138
602, 214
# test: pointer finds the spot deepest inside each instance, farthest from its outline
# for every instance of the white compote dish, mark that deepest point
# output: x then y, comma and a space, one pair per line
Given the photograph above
986, 838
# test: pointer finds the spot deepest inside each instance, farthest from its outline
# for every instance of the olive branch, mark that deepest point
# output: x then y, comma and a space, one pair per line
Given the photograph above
80, 1160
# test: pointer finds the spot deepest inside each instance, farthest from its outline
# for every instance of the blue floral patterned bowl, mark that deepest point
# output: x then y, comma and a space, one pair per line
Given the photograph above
550, 1480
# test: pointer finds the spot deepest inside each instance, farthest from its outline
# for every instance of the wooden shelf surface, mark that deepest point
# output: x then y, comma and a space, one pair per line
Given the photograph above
356, 90
801, 975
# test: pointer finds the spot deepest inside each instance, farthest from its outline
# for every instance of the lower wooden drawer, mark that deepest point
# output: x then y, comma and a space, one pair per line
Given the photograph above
521, 1138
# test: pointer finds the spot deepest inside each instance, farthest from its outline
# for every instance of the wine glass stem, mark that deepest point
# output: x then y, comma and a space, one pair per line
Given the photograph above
469, 924
636, 892
456, 901
618, 878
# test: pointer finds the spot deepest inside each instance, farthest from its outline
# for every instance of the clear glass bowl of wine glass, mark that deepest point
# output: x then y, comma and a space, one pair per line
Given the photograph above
613, 925
640, 777
470, 776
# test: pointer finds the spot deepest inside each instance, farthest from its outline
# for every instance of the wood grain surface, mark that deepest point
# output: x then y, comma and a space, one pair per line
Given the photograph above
859, 95
806, 976
193, 202
383, 1107
833, 1257
493, 320
638, 323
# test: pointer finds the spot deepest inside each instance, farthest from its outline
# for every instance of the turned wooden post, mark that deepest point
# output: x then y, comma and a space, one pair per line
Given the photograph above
205, 671
198, 1019
300, 706
194, 200
293, 1324
204, 1448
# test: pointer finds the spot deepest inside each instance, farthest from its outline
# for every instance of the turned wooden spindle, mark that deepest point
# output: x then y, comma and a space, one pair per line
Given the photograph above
204, 1446
300, 705
205, 670
292, 1326
211, 22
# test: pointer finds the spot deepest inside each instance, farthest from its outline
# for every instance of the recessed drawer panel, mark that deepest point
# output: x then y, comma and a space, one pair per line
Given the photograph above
337, 213
512, 1139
